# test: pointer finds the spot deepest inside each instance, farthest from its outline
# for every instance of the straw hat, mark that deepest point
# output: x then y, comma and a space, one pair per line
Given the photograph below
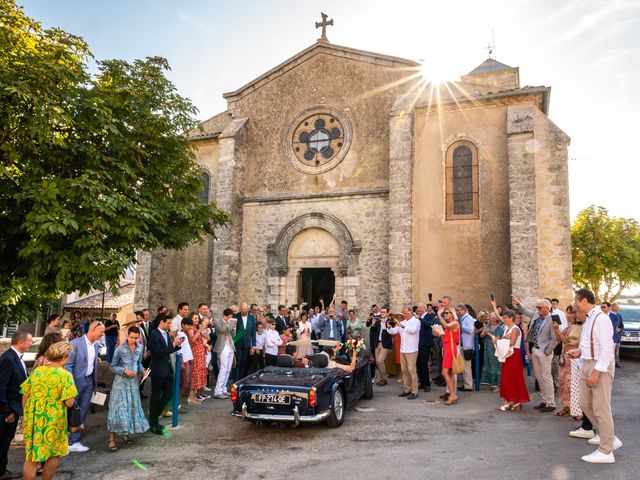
129, 319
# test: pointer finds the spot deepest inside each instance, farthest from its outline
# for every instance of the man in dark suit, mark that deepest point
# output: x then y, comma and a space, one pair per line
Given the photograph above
425, 345
282, 321
381, 342
245, 340
83, 365
161, 346
12, 373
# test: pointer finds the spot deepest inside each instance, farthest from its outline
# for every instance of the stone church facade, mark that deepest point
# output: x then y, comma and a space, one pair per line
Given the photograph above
344, 172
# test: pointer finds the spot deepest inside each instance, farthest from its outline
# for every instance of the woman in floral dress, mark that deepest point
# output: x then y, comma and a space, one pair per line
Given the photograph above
491, 367
47, 394
199, 350
126, 416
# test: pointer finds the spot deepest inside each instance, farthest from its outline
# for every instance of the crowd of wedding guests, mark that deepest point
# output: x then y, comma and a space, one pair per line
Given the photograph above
571, 356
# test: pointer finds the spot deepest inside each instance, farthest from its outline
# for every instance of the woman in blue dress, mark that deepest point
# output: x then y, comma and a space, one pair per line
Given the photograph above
126, 416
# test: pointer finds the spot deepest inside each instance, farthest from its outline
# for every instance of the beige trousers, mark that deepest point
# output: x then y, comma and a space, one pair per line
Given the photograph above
381, 356
596, 403
409, 372
542, 371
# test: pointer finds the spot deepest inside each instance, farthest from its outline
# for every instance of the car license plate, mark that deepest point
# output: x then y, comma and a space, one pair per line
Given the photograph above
631, 339
271, 398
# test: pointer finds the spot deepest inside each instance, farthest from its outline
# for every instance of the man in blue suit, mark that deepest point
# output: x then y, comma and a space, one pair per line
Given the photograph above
83, 365
245, 340
331, 327
12, 373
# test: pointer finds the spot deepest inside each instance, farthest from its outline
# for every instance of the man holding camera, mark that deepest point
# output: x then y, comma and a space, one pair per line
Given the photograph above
544, 340
467, 325
409, 331
330, 326
382, 341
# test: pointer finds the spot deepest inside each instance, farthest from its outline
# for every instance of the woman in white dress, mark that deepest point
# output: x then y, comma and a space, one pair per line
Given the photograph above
304, 334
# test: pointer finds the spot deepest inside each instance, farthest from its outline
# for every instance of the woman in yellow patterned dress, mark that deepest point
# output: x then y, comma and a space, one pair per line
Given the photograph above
46, 395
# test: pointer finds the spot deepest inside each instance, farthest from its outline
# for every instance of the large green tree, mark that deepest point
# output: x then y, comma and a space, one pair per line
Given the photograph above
606, 253
93, 168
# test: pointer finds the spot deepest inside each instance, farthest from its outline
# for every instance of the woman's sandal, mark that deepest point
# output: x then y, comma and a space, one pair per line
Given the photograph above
127, 440
506, 406
562, 413
451, 401
112, 446
516, 407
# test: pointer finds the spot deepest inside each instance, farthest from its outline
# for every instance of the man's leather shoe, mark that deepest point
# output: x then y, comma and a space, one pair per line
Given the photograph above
404, 394
547, 408
157, 429
427, 388
413, 396
542, 405
463, 389
9, 475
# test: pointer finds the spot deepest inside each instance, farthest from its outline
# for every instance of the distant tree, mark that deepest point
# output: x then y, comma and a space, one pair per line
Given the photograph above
606, 253
93, 167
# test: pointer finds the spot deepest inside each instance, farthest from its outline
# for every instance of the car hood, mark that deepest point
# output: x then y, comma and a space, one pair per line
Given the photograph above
631, 326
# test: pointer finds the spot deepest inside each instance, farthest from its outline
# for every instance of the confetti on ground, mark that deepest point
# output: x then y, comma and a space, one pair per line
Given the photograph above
140, 465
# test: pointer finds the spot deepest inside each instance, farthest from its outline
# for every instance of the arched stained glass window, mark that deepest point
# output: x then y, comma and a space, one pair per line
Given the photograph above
462, 181
206, 186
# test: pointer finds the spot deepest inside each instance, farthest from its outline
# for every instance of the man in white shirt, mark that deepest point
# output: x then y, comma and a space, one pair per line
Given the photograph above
176, 323
409, 331
596, 353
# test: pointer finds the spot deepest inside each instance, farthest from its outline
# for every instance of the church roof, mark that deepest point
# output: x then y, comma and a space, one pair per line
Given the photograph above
212, 128
315, 49
489, 65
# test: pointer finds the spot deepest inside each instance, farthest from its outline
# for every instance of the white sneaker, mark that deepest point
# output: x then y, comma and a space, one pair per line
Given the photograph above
581, 433
77, 447
599, 457
617, 443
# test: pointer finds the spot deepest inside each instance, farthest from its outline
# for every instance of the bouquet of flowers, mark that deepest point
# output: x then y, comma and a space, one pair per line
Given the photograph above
356, 344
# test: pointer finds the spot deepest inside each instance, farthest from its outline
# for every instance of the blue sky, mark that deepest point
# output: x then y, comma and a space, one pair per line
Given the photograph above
588, 51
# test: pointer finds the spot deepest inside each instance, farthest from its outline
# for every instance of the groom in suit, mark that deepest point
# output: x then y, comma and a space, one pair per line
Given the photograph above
83, 365
245, 340
12, 373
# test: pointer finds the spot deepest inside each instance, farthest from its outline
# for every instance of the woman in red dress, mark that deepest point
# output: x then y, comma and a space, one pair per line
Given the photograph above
199, 368
450, 342
512, 386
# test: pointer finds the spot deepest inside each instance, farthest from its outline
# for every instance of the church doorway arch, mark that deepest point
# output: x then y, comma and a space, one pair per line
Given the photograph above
314, 248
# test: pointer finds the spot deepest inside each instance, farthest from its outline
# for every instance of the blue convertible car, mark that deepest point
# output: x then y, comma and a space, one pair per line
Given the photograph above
301, 395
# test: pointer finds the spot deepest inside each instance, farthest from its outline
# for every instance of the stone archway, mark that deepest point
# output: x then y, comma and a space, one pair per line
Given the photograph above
312, 240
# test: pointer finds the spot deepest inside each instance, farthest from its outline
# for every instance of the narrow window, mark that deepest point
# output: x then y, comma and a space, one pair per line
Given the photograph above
462, 181
206, 185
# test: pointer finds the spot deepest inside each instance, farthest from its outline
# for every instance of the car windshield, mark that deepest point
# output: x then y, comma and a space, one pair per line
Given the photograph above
630, 314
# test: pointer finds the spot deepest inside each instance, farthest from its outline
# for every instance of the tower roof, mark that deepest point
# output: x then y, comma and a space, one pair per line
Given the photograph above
489, 65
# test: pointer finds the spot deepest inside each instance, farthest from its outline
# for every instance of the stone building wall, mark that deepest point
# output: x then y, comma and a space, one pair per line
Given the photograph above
364, 217
552, 199
467, 259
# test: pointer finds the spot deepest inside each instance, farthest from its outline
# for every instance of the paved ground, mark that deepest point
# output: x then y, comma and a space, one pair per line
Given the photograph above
401, 439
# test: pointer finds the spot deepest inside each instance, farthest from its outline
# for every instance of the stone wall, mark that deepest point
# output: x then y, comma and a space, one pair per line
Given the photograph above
467, 259
362, 215
552, 200
523, 224
400, 203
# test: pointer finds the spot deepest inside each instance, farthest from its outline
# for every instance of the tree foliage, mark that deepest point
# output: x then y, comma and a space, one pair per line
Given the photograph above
606, 253
93, 167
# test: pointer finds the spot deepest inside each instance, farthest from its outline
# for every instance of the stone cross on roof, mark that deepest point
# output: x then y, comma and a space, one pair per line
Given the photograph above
324, 24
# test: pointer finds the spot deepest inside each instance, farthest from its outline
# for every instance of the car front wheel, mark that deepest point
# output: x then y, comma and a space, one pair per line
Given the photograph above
337, 409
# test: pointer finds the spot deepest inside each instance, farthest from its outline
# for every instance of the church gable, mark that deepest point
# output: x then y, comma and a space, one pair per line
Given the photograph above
316, 49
